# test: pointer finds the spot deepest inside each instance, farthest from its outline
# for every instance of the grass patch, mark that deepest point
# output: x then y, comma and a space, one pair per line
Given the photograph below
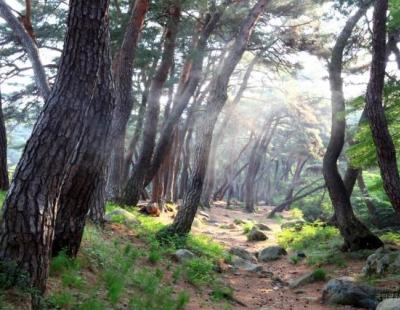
391, 236
321, 243
199, 271
319, 274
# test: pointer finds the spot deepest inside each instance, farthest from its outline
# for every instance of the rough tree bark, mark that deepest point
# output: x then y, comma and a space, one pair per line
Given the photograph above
83, 187
356, 235
215, 102
4, 182
375, 112
31, 206
136, 182
122, 73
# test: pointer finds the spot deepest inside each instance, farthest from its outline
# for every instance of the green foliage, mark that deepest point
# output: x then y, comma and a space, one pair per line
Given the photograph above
12, 276
114, 284
152, 295
391, 236
221, 292
91, 304
61, 300
321, 243
199, 271
62, 262
319, 274
72, 279
394, 15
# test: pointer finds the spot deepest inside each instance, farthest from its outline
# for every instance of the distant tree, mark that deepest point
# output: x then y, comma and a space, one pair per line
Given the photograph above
215, 102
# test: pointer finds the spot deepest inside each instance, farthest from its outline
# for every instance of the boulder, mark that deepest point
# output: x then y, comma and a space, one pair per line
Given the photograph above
256, 235
344, 291
183, 255
383, 261
263, 227
246, 265
271, 253
389, 304
121, 215
302, 280
242, 253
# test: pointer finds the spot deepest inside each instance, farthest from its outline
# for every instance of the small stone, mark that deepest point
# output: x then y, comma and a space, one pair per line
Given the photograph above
271, 253
241, 263
302, 280
256, 235
183, 255
204, 214
242, 253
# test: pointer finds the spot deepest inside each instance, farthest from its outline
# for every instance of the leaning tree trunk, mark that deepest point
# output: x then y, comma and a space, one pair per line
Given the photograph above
356, 235
122, 72
186, 90
4, 182
216, 100
375, 111
31, 206
84, 184
136, 182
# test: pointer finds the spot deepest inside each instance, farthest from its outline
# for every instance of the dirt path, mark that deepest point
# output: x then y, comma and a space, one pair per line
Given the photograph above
265, 293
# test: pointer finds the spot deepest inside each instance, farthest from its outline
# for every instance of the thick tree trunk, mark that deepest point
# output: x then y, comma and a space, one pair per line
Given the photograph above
4, 182
375, 112
31, 206
356, 235
216, 100
123, 71
136, 182
84, 184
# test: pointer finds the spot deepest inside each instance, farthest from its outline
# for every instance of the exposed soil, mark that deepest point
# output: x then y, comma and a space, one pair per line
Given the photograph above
252, 290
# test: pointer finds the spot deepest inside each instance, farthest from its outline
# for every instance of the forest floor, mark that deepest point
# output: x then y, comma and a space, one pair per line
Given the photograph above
123, 266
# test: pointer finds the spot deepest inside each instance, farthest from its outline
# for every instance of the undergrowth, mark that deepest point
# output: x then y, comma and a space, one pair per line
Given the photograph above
320, 242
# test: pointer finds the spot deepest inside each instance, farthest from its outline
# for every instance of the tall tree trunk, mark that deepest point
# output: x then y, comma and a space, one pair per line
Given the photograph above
84, 184
215, 102
31, 206
356, 235
187, 88
4, 182
375, 112
256, 157
136, 182
218, 137
296, 177
123, 71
